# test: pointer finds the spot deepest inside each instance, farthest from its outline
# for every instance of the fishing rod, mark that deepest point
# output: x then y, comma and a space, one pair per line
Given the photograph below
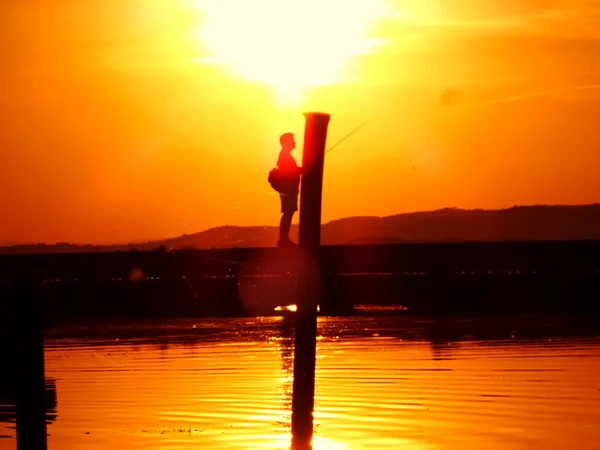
353, 131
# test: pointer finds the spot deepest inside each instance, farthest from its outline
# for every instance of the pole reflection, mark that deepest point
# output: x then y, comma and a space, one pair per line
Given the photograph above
286, 349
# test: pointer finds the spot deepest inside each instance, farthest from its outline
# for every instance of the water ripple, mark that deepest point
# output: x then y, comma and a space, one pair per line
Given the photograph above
413, 385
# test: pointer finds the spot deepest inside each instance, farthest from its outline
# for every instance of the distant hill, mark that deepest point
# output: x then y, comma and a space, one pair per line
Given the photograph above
520, 223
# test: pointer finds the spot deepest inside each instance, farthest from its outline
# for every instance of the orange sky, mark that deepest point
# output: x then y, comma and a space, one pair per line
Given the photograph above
129, 120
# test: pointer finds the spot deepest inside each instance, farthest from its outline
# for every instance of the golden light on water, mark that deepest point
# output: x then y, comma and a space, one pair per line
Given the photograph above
321, 443
318, 443
292, 308
396, 384
290, 45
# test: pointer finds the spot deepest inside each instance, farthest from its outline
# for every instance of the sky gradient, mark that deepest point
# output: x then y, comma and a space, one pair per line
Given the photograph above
132, 120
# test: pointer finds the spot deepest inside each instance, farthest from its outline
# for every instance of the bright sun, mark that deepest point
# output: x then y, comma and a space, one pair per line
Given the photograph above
288, 44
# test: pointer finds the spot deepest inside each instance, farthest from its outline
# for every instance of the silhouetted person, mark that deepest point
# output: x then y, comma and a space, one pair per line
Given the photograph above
290, 175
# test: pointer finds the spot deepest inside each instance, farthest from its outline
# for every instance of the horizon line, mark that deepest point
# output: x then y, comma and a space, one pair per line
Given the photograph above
156, 240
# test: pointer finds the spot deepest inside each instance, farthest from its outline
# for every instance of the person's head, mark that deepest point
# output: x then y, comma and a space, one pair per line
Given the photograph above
287, 141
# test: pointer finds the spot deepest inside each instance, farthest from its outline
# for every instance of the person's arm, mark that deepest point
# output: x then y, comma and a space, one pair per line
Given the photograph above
297, 167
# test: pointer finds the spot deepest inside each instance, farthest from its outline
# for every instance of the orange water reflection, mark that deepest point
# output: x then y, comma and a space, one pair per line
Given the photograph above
380, 384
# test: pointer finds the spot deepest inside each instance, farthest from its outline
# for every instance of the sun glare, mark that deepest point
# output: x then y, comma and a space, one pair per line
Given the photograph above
290, 45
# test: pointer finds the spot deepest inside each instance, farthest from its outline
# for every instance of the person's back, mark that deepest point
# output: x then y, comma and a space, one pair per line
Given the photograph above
289, 171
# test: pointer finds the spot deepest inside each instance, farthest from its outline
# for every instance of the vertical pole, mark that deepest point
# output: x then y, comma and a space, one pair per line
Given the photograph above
305, 342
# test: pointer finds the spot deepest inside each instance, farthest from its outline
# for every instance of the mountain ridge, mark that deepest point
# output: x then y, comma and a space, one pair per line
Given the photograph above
518, 223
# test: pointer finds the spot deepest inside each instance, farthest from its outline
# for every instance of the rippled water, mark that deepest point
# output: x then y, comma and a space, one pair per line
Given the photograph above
381, 383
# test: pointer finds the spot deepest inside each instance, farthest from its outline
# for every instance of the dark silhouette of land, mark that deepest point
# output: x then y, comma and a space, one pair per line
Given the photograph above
539, 258
520, 223
467, 277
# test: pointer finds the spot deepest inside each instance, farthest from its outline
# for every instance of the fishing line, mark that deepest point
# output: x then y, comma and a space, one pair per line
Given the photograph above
489, 102
527, 96
353, 131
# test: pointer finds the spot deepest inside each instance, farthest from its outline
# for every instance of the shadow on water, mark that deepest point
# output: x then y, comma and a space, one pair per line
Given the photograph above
28, 401
8, 410
22, 382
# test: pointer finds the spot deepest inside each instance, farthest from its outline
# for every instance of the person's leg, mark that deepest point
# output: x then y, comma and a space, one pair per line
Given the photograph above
285, 225
289, 205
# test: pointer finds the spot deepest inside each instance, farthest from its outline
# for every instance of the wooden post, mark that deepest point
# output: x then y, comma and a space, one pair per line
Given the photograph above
305, 342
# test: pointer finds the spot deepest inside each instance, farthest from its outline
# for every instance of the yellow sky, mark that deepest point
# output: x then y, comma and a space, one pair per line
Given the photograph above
129, 120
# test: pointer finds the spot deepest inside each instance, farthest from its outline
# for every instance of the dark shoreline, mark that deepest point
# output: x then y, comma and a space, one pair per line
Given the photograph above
442, 278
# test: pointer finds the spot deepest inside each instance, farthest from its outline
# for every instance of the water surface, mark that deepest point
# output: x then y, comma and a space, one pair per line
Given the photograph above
385, 383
